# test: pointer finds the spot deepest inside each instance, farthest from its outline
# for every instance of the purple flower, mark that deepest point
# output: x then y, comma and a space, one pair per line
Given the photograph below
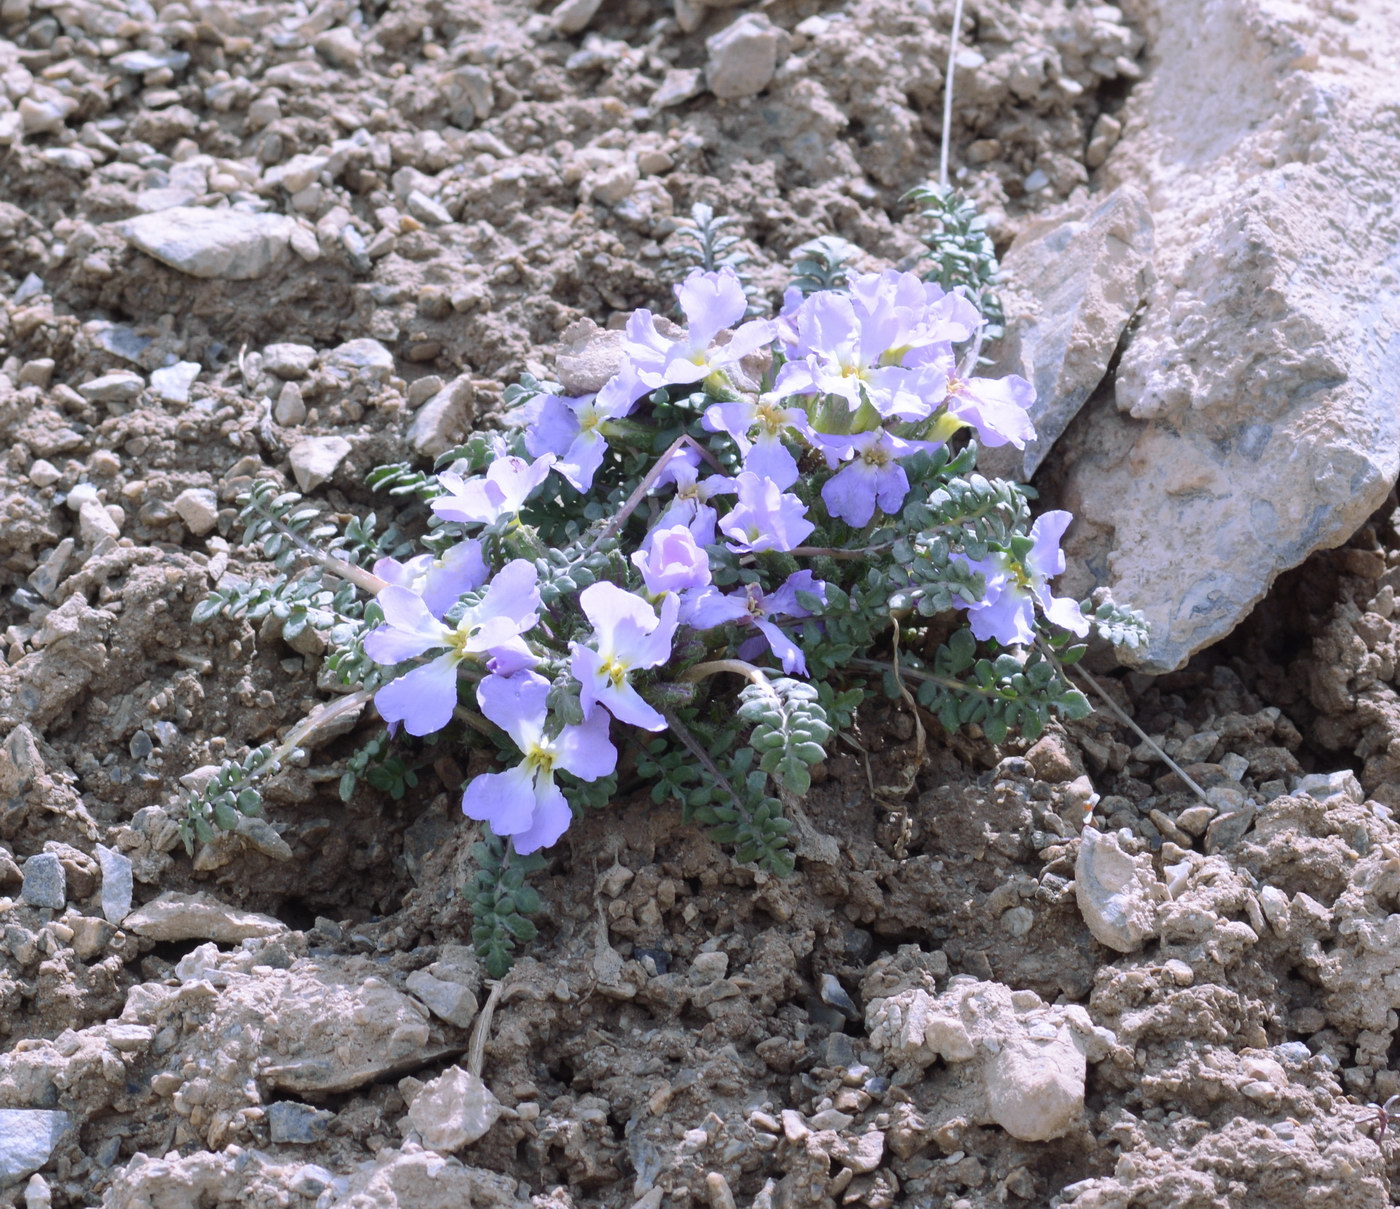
995, 407
575, 429
888, 342
873, 475
765, 518
629, 636
670, 561
711, 302
524, 803
763, 451
488, 633
441, 581
1007, 612
691, 505
751, 606
501, 493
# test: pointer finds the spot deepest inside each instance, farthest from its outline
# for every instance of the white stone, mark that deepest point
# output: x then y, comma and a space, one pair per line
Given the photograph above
121, 386
340, 45
289, 360
227, 244
174, 916
453, 1110
573, 16
172, 383
426, 210
450, 1001
290, 408
362, 357
443, 419
315, 459
743, 57
1118, 894
297, 173
198, 508
117, 883
1253, 419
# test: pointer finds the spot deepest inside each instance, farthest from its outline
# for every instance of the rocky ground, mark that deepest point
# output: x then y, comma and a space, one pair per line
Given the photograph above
241, 241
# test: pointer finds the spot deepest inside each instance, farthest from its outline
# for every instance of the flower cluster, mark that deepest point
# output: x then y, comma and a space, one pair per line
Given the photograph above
815, 426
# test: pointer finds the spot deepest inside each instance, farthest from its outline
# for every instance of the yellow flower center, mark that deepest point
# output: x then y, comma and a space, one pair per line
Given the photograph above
614, 671
876, 455
539, 758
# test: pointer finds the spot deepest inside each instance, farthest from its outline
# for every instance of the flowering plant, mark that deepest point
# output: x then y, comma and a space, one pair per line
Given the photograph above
788, 500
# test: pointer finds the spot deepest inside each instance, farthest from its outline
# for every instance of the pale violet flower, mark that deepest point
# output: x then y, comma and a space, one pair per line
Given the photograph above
764, 518
751, 606
691, 505
575, 429
501, 493
872, 475
489, 633
995, 407
440, 580
758, 428
671, 561
523, 803
711, 302
1007, 611
630, 637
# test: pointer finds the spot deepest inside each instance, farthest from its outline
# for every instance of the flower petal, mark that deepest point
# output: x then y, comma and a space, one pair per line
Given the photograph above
551, 818
423, 699
505, 800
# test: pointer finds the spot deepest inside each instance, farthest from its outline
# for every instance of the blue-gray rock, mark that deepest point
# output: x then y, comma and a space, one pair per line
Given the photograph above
117, 884
45, 883
288, 1121
27, 1138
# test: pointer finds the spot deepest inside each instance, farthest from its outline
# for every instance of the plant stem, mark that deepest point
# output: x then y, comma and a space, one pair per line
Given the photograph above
738, 666
948, 95
637, 496
347, 571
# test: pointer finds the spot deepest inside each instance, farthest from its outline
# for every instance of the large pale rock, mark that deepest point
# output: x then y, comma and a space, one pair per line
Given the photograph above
1007, 1057
1118, 894
1075, 276
228, 244
1255, 416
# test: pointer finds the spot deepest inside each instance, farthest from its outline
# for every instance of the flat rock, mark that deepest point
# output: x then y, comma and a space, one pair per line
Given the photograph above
288, 360
315, 459
198, 507
118, 387
227, 244
450, 1001
361, 358
174, 916
1253, 419
1090, 264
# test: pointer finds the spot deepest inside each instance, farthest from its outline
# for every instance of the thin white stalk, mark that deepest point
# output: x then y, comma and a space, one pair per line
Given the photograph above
948, 94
